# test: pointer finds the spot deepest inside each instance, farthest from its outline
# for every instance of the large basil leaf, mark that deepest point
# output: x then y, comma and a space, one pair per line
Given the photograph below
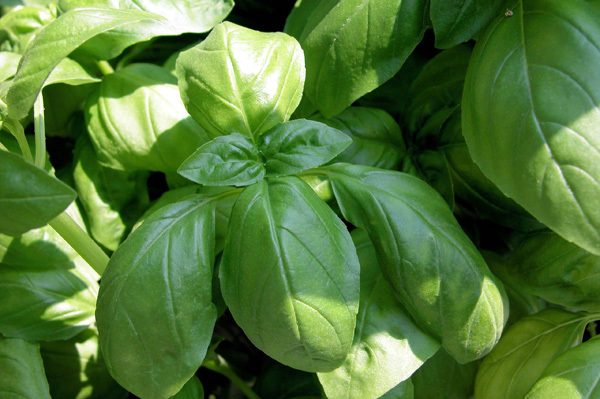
525, 350
574, 374
437, 273
29, 196
456, 21
241, 81
353, 46
530, 113
22, 370
377, 362
294, 146
155, 316
112, 199
43, 54
231, 160
290, 275
137, 121
441, 377
376, 137
75, 369
556, 270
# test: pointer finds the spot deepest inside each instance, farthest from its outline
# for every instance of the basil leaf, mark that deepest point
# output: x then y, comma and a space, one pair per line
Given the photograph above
43, 55
353, 46
376, 137
530, 113
241, 81
231, 160
153, 346
456, 21
8, 64
276, 381
437, 273
442, 377
71, 72
525, 350
290, 276
75, 369
19, 27
574, 374
298, 145
137, 121
29, 196
404, 390
191, 390
436, 171
377, 362
22, 370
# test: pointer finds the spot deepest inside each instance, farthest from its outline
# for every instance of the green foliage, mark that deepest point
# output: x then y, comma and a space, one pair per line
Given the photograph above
22, 370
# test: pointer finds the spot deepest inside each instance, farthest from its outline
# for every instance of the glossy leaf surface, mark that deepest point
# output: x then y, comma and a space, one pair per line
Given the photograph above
377, 362
29, 196
525, 350
231, 160
437, 273
292, 284
155, 316
241, 81
353, 46
298, 145
22, 370
531, 113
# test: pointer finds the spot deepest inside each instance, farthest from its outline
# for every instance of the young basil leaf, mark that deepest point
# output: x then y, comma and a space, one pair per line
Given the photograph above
22, 370
353, 46
376, 137
437, 273
442, 377
530, 113
152, 347
231, 160
19, 27
574, 374
113, 200
29, 196
377, 362
290, 275
137, 121
298, 145
456, 21
8, 64
43, 55
191, 390
241, 81
525, 350
556, 270
75, 369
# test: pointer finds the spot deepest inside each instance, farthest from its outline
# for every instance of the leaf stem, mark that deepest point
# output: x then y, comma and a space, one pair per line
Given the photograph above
80, 241
222, 367
40, 132
105, 67
16, 129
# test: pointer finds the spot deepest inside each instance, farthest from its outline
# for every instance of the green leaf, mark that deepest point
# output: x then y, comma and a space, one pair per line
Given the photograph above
8, 64
377, 362
353, 46
525, 350
112, 199
437, 273
298, 145
22, 370
71, 72
530, 113
376, 137
19, 27
404, 390
436, 171
43, 54
572, 375
241, 81
29, 196
456, 21
231, 160
75, 369
276, 381
290, 275
155, 316
442, 377
191, 390
137, 121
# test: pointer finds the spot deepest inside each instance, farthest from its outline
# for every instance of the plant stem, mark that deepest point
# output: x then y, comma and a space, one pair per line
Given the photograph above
15, 128
105, 67
80, 241
222, 367
40, 131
